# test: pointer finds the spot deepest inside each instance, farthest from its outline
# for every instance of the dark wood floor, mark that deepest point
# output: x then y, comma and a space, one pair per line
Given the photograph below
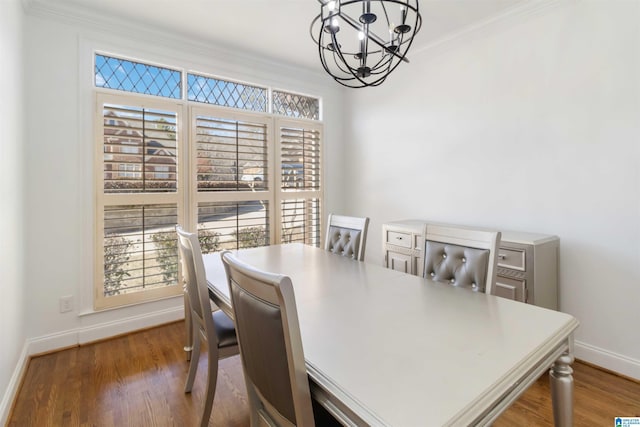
138, 379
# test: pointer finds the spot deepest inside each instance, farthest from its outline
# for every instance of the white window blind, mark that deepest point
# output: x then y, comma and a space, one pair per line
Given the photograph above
233, 225
300, 189
140, 200
140, 249
231, 154
233, 196
300, 158
301, 221
139, 149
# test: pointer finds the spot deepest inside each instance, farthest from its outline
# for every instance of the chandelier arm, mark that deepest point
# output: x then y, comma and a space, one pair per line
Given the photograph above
371, 36
344, 61
382, 63
311, 29
339, 63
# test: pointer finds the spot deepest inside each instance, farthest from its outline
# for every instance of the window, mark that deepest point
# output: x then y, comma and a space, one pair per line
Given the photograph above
226, 93
139, 200
232, 158
130, 76
212, 158
293, 105
300, 182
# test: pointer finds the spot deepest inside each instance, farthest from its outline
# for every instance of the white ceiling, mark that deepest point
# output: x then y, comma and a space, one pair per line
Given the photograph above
278, 29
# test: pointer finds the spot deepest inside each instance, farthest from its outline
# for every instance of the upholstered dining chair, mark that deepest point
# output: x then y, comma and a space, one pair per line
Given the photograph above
268, 331
347, 236
462, 256
216, 328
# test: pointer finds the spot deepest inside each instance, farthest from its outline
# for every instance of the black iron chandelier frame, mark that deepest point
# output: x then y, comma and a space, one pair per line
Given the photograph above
374, 59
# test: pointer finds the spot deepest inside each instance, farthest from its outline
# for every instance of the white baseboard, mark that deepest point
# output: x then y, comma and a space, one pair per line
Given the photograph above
81, 335
607, 359
130, 324
13, 386
85, 334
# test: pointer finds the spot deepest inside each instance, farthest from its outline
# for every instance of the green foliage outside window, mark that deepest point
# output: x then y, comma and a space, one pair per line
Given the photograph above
167, 246
116, 256
251, 237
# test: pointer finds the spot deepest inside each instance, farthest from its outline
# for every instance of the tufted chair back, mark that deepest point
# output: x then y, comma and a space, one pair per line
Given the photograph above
347, 236
460, 266
461, 256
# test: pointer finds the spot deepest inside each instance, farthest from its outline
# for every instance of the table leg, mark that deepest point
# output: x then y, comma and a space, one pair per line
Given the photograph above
188, 323
561, 382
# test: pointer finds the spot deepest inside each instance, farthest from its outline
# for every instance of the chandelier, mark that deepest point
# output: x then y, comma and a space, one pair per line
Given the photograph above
360, 42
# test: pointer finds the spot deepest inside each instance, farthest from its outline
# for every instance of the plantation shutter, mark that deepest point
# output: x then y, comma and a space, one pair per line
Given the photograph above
140, 204
233, 177
300, 178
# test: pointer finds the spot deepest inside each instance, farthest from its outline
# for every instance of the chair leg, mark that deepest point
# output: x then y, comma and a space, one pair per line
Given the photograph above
212, 379
188, 347
193, 365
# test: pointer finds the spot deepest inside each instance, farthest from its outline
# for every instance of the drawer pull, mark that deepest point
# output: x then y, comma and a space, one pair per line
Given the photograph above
502, 256
398, 238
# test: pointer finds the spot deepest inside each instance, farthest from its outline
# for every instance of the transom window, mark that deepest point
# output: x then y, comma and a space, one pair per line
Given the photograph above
130, 76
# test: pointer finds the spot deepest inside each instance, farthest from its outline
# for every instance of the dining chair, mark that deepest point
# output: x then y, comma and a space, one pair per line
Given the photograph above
264, 310
347, 236
216, 328
462, 256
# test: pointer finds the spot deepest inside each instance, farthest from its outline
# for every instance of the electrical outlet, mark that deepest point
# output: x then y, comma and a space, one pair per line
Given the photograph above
66, 304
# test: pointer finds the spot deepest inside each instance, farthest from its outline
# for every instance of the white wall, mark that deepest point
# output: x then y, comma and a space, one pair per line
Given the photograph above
528, 124
59, 191
12, 284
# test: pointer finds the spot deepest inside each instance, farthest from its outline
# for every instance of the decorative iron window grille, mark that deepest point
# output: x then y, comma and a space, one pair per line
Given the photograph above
130, 76
225, 93
293, 105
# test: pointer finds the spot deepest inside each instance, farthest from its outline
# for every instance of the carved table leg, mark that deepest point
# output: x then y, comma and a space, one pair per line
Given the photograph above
561, 382
188, 326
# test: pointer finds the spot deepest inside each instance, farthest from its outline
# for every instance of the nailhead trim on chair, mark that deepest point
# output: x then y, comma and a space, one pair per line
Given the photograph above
457, 265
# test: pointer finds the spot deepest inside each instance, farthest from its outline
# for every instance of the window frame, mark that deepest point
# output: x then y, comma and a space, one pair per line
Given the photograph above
103, 199
186, 197
196, 197
306, 194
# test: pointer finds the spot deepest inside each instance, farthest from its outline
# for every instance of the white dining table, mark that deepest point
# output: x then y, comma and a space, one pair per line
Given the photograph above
384, 348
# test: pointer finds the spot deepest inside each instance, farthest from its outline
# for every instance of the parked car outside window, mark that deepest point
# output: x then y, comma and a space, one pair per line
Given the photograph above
292, 175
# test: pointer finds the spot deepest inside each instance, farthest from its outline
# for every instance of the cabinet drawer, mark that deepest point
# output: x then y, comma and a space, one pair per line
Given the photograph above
512, 258
514, 289
399, 239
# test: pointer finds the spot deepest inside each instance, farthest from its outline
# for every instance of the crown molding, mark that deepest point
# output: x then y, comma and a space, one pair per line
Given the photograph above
180, 42
507, 18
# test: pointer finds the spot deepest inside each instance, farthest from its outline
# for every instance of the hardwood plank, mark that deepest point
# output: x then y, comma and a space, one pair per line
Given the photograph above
138, 380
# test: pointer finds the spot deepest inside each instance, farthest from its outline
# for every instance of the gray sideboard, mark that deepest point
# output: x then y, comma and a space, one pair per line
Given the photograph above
527, 262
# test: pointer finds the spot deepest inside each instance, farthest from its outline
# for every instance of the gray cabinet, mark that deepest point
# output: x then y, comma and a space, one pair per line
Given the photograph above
403, 246
527, 262
528, 268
